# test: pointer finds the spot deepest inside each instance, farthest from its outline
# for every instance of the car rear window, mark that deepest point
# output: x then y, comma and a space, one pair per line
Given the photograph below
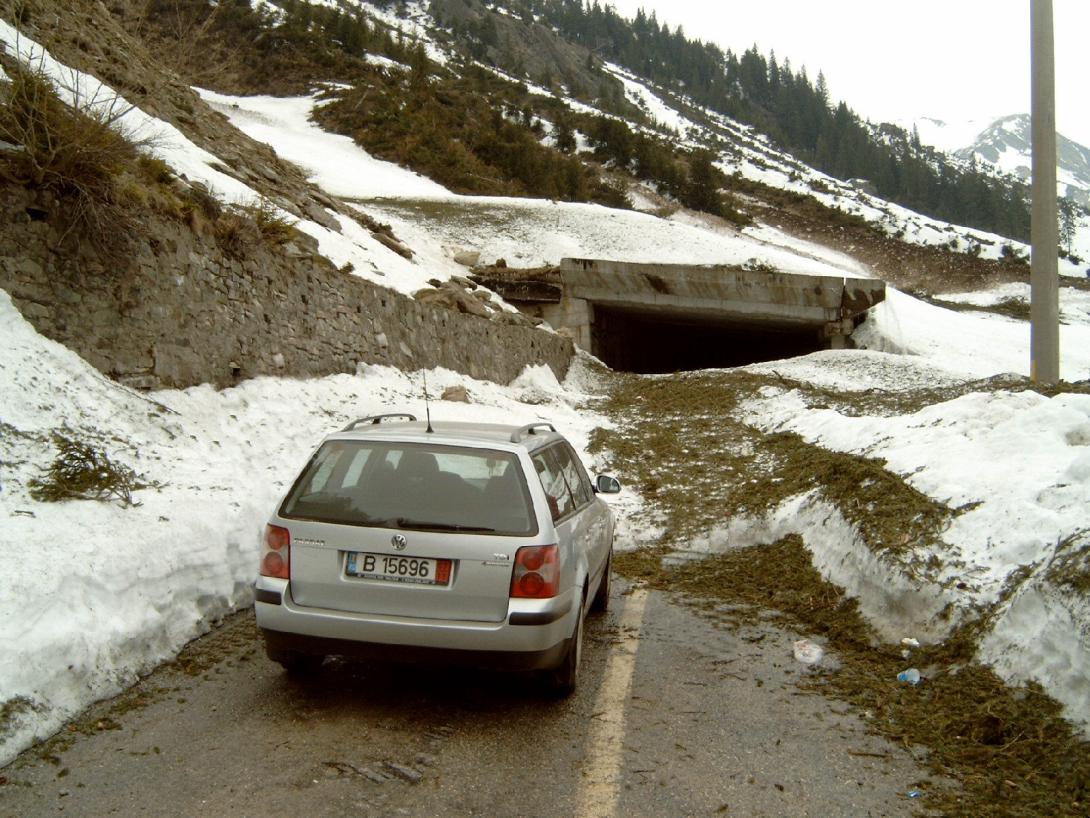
416, 486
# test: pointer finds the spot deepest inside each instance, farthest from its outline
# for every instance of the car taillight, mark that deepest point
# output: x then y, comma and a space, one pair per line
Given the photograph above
537, 572
276, 554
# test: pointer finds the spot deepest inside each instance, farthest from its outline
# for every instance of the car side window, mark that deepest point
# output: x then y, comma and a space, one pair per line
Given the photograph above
570, 469
585, 493
561, 502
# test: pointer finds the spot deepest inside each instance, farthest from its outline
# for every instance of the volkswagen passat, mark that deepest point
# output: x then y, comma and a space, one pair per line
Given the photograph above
476, 543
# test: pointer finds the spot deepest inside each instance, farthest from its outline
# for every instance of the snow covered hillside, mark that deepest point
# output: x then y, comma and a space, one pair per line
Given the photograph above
524, 232
742, 150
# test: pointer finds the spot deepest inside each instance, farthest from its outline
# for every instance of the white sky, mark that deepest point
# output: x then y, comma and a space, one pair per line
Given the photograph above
954, 60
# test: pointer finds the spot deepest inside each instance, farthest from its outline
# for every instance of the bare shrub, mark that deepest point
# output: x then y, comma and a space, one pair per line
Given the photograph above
186, 24
236, 232
204, 201
242, 226
81, 472
275, 228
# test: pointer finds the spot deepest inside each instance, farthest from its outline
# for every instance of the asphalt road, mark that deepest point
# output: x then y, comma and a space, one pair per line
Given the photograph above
674, 717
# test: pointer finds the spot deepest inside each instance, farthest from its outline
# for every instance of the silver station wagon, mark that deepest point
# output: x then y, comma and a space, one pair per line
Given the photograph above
466, 542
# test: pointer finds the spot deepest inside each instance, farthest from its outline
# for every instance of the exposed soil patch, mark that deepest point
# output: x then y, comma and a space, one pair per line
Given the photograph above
698, 466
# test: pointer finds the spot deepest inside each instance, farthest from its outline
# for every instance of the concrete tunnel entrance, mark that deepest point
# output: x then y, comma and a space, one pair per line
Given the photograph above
656, 318
631, 341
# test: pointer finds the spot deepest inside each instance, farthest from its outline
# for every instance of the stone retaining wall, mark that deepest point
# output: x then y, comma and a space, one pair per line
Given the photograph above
183, 312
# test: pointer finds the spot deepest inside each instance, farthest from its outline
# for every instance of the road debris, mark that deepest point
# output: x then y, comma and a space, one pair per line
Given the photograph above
807, 652
911, 676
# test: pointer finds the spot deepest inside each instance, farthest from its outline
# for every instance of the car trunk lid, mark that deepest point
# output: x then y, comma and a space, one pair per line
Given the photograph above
396, 571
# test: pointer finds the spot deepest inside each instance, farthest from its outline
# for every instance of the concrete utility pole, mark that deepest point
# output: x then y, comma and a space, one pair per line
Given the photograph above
1044, 357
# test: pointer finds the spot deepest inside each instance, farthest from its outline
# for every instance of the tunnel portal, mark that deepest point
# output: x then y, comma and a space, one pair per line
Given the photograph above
654, 318
632, 341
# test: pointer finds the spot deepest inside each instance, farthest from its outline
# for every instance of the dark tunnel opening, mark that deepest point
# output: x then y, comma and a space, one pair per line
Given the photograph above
653, 344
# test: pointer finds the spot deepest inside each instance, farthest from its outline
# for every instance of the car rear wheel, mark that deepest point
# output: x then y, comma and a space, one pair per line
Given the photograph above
601, 596
565, 677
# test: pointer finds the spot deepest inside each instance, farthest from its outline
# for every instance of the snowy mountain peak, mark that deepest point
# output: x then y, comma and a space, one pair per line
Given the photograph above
1006, 143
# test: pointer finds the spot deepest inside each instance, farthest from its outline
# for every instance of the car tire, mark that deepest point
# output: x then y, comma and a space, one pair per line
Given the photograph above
601, 597
565, 677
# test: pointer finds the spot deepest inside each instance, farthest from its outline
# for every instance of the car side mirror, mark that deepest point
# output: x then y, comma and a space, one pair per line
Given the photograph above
604, 484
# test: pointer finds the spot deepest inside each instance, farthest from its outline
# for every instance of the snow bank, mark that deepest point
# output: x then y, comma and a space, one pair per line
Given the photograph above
860, 370
1017, 465
95, 594
1042, 635
967, 344
939, 450
892, 601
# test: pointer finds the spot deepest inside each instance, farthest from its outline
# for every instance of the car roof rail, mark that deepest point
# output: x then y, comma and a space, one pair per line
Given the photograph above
518, 434
375, 420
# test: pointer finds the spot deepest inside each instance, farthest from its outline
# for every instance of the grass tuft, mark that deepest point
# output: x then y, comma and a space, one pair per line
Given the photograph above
1071, 568
13, 709
274, 227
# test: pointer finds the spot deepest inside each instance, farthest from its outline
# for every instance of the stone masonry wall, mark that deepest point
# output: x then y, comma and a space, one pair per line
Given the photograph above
181, 312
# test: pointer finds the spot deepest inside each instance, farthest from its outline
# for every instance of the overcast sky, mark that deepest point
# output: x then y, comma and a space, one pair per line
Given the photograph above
950, 59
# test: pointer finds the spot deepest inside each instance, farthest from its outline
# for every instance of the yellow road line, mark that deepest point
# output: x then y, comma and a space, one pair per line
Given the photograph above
601, 786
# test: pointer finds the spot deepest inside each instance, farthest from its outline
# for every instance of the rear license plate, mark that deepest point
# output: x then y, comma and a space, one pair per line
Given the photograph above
398, 569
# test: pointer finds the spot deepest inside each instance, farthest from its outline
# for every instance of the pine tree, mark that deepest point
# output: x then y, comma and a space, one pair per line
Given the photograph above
702, 190
1068, 213
564, 134
419, 70
822, 89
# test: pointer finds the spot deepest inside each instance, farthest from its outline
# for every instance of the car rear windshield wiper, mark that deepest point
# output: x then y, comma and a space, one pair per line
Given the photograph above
405, 522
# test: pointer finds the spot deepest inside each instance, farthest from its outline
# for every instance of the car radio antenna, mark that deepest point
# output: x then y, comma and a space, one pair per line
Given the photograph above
427, 406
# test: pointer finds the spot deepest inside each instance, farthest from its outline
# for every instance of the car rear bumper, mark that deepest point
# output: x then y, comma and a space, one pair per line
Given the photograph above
279, 642
533, 635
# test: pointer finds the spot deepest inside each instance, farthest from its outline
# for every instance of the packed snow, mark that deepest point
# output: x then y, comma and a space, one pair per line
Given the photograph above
96, 594
971, 344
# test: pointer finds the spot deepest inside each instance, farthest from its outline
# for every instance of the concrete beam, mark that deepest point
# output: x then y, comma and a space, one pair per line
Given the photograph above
727, 293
